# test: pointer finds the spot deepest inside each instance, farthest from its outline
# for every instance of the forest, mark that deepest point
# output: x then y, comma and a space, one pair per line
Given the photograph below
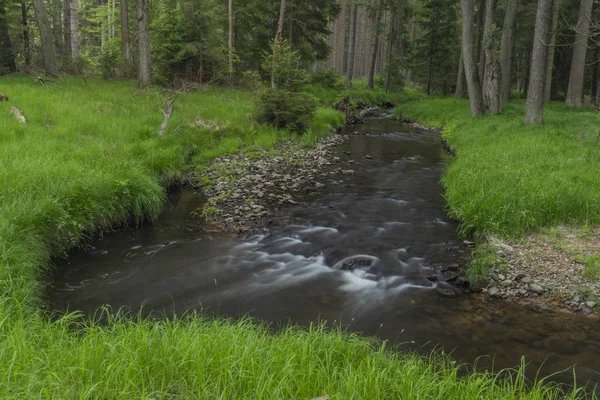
383, 194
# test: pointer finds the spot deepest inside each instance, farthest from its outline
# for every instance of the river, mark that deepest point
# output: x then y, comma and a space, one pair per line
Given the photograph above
360, 253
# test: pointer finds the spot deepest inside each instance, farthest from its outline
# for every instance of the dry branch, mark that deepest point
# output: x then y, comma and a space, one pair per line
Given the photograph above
167, 112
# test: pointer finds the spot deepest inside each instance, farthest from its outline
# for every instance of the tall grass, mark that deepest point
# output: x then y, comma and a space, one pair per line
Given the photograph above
510, 178
91, 157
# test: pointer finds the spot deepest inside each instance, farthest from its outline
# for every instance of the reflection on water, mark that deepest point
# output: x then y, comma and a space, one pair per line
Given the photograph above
359, 253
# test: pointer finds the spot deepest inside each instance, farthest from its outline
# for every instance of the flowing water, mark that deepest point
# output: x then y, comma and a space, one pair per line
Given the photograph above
361, 253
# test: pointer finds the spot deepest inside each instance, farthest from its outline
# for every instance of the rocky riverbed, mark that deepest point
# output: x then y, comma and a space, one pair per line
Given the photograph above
246, 192
548, 268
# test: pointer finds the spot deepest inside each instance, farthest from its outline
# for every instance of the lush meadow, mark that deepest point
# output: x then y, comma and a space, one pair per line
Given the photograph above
509, 178
90, 158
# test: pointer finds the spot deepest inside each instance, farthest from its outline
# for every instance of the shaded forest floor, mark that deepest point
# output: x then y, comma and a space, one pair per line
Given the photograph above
91, 158
532, 193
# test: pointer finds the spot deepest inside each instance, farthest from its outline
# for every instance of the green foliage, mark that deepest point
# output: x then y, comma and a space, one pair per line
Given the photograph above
509, 178
284, 64
434, 54
110, 59
484, 259
285, 109
592, 267
327, 77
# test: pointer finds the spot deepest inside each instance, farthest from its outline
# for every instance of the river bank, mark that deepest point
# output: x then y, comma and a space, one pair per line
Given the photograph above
530, 195
90, 158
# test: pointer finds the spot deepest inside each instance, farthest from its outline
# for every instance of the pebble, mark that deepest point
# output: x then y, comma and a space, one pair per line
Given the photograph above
526, 280
507, 283
591, 304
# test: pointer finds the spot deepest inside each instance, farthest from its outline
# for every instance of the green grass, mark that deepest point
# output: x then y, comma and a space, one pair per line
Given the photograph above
510, 178
592, 267
91, 158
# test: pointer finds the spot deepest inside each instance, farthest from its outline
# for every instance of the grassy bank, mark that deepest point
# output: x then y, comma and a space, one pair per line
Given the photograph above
90, 158
510, 178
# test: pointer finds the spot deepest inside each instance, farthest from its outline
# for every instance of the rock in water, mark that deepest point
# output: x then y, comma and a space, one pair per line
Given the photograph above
445, 292
479, 283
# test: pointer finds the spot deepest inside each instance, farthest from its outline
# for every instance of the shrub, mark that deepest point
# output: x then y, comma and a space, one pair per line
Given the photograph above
329, 78
285, 109
287, 71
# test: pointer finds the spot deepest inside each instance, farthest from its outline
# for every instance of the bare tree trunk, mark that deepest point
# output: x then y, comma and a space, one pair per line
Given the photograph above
230, 36
144, 67
508, 46
46, 37
376, 32
7, 57
388, 79
277, 42
125, 48
460, 80
26, 43
595, 71
74, 29
472, 78
550, 64
56, 28
480, 35
67, 31
490, 11
351, 45
491, 81
576, 77
534, 109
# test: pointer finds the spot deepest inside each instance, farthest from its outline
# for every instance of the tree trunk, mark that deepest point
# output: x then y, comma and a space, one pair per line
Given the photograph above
67, 31
379, 13
491, 81
388, 79
576, 77
480, 35
7, 57
230, 36
490, 11
508, 46
26, 43
534, 109
277, 42
472, 78
550, 64
56, 28
125, 48
74, 29
144, 67
46, 37
460, 80
595, 75
351, 45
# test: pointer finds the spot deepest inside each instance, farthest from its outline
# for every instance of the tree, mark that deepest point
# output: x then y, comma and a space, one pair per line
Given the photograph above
534, 109
576, 77
74, 28
431, 58
125, 48
460, 79
230, 42
46, 37
508, 47
7, 58
472, 78
68, 53
144, 67
491, 81
351, 44
551, 49
277, 43
377, 35
25, 28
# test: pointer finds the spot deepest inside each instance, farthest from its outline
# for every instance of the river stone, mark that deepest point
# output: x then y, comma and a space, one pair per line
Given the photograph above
319, 185
507, 283
535, 288
445, 292
348, 171
501, 277
479, 283
494, 292
591, 304
526, 279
